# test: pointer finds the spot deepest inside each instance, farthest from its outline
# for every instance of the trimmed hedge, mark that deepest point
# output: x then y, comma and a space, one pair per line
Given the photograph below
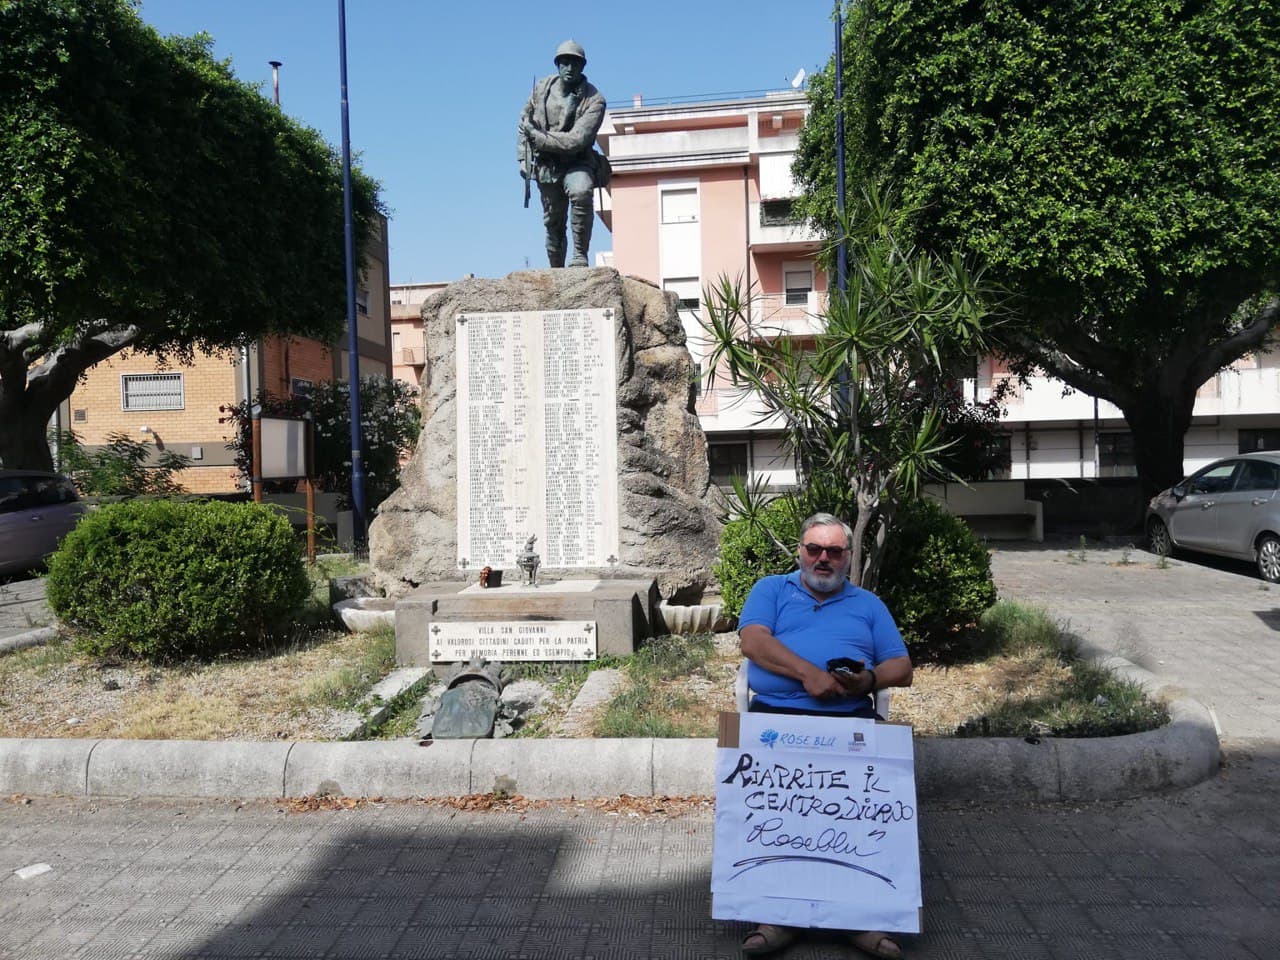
163, 580
747, 554
936, 580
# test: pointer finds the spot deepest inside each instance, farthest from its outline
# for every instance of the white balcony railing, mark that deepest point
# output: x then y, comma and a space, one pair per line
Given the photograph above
772, 314
1230, 392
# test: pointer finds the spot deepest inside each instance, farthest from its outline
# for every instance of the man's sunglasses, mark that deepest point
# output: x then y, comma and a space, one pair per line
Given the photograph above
815, 551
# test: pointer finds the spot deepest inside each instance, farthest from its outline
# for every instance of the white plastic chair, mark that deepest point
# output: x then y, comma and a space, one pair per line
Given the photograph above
742, 692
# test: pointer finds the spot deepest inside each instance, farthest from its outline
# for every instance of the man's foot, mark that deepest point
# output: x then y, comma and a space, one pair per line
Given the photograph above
766, 938
579, 261
876, 944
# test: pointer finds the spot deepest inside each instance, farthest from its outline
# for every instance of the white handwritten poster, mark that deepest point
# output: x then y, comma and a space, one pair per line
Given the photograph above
816, 824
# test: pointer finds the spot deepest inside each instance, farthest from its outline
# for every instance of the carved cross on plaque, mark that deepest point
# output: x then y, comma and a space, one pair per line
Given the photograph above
436, 629
462, 319
463, 563
611, 559
588, 628
608, 314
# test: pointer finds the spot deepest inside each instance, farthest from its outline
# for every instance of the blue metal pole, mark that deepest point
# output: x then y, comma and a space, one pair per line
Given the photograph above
843, 386
358, 526
842, 251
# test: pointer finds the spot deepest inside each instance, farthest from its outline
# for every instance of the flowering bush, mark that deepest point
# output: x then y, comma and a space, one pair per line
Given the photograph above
389, 423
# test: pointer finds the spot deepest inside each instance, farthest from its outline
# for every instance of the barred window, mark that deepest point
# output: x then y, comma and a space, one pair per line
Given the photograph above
151, 391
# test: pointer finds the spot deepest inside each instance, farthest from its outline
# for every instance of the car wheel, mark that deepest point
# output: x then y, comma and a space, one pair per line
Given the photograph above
1158, 540
1269, 558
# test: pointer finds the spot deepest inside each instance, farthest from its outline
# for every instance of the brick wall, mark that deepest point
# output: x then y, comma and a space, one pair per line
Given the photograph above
211, 381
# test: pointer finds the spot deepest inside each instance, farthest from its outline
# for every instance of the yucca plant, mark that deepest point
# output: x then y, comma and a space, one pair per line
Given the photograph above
862, 403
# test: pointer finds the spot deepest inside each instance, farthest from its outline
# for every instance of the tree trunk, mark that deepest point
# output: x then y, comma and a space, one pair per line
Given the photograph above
23, 441
1159, 424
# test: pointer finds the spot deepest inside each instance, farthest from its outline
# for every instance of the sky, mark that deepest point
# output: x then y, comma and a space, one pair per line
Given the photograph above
435, 91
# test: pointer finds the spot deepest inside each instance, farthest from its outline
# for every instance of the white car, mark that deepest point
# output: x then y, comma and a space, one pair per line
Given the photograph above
1228, 508
37, 510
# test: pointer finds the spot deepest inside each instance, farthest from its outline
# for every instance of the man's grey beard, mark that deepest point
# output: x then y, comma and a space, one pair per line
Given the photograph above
824, 582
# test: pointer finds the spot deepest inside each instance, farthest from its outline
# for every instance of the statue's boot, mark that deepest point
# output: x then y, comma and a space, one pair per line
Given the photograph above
555, 253
581, 218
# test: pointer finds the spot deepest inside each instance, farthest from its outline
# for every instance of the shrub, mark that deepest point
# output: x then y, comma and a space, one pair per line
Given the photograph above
747, 553
122, 467
162, 580
936, 581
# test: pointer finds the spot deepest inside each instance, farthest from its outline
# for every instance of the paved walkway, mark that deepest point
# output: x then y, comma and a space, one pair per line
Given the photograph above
1188, 876
1209, 627
22, 607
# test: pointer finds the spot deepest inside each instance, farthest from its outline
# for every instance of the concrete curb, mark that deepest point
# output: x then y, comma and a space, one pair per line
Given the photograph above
28, 638
1180, 754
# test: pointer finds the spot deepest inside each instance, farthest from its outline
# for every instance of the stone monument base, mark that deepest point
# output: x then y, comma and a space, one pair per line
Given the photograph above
514, 622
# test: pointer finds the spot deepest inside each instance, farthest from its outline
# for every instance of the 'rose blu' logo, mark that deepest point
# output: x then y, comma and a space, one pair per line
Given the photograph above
769, 737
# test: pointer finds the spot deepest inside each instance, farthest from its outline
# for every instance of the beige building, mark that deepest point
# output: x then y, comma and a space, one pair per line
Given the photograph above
176, 407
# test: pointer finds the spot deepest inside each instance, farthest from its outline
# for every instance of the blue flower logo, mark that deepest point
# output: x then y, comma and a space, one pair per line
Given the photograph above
769, 737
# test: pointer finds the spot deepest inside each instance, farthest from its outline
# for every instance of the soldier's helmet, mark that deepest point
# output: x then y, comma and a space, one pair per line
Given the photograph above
571, 48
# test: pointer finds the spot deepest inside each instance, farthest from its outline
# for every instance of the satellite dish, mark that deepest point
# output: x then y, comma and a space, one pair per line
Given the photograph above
798, 79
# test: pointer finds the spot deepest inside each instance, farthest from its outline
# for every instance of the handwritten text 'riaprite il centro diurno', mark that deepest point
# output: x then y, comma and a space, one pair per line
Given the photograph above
795, 790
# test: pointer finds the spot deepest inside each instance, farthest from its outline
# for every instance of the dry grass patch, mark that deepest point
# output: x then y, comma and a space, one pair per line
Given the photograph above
288, 694
941, 698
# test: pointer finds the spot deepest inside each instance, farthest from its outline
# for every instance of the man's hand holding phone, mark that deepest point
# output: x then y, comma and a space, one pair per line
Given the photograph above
856, 680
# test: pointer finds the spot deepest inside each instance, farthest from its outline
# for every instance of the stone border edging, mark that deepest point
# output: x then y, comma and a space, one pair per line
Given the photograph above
1180, 754
28, 638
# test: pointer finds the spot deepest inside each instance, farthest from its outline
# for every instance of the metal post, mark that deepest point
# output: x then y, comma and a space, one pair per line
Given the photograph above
844, 386
255, 468
309, 466
842, 251
275, 80
353, 357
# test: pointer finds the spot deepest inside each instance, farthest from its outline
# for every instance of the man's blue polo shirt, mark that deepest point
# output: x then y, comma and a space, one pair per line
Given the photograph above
854, 623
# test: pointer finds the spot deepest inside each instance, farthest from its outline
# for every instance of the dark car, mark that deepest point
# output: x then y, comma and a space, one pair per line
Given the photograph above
1228, 508
36, 511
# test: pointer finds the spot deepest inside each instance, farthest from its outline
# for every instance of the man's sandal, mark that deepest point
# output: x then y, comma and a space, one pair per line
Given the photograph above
767, 938
876, 944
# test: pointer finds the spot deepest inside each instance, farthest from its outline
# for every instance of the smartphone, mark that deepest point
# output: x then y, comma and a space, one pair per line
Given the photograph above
844, 666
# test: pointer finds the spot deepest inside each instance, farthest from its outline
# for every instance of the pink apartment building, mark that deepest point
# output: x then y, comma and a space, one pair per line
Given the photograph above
704, 190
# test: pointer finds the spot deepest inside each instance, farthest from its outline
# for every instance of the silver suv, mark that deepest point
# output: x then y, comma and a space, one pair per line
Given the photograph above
36, 511
1229, 508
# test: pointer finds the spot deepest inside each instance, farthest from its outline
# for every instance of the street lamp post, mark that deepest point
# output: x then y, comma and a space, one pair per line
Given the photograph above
358, 527
842, 251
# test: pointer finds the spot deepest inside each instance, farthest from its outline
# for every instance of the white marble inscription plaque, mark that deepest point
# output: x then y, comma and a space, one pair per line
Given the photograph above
537, 438
512, 640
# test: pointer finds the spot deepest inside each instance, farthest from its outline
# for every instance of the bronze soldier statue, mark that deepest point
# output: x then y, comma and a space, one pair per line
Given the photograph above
558, 129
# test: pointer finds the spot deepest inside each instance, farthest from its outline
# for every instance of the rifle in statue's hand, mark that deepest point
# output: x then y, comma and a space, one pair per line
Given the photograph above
529, 159
528, 167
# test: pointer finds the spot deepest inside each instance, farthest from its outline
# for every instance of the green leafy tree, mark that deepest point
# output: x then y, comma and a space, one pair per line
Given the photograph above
122, 467
863, 407
390, 421
1116, 166
149, 200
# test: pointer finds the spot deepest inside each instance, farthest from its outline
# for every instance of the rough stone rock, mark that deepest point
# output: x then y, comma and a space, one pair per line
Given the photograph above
524, 696
669, 525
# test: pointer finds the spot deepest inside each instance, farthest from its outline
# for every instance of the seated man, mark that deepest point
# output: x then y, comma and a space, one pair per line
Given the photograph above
790, 627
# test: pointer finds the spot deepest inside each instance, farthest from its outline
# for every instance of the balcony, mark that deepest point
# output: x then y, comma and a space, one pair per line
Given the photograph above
772, 316
794, 235
410, 357
684, 148
1230, 392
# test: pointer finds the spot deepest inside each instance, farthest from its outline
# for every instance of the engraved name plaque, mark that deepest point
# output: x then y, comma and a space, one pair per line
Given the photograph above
537, 438
512, 640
